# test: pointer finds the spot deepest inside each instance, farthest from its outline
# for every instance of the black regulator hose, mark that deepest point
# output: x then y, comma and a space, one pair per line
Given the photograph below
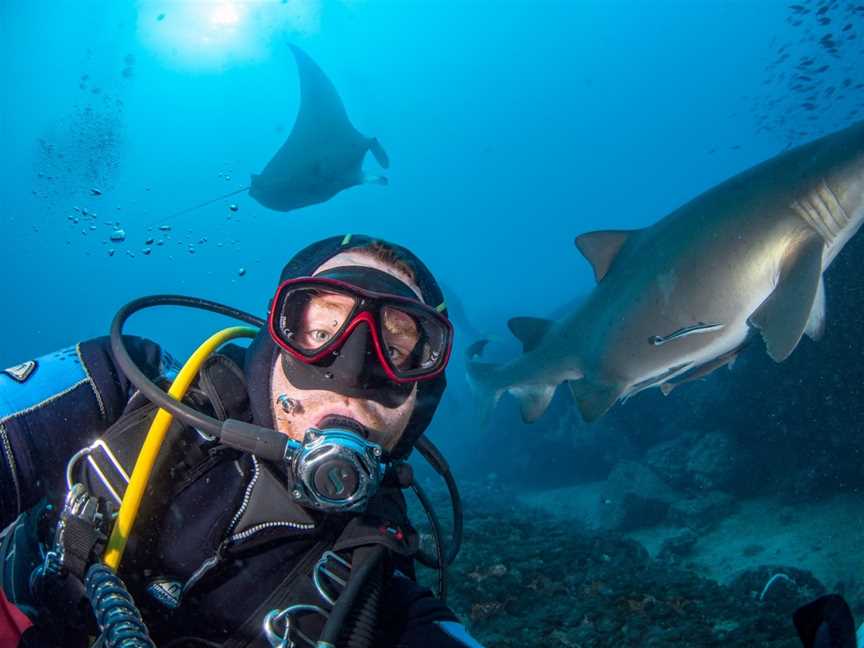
438, 561
367, 565
154, 394
118, 617
433, 455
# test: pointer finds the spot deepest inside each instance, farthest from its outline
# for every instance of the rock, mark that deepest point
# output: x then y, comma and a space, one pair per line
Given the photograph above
697, 461
714, 461
701, 511
669, 460
678, 546
633, 497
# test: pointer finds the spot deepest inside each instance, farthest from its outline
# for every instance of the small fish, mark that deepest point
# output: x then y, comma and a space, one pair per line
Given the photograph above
701, 327
808, 106
94, 191
846, 27
822, 69
822, 10
160, 17
824, 20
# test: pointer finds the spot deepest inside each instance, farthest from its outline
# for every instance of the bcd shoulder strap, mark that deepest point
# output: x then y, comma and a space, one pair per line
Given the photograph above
219, 391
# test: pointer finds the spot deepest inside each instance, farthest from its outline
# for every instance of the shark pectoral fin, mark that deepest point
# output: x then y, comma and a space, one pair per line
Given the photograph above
816, 323
782, 318
593, 399
601, 248
379, 153
529, 330
533, 400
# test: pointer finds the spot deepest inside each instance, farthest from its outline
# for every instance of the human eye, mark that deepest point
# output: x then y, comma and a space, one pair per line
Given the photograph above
320, 335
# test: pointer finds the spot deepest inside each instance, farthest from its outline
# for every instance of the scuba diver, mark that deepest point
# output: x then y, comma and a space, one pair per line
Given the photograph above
266, 487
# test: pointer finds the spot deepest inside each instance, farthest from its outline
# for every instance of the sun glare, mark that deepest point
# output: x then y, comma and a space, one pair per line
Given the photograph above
225, 15
215, 33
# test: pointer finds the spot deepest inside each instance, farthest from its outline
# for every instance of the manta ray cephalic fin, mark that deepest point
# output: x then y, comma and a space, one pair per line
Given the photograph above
380, 154
783, 317
601, 248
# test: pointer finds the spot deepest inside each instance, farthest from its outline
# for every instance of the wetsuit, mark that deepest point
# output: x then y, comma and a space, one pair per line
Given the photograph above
220, 541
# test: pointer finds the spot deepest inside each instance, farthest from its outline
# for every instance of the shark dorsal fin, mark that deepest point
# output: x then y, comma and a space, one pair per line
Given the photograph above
601, 248
529, 330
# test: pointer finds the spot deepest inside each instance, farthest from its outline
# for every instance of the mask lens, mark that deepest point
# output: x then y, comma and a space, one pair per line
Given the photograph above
312, 317
414, 340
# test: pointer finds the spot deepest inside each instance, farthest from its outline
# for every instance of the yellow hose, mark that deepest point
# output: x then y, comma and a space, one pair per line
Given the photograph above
153, 443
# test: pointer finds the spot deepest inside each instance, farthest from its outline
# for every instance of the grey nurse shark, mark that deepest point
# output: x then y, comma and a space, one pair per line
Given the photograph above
679, 299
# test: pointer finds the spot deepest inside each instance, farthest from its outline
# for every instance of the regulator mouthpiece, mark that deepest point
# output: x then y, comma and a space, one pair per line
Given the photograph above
334, 469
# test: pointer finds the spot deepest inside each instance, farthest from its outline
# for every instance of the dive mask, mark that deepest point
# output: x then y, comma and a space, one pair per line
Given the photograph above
312, 319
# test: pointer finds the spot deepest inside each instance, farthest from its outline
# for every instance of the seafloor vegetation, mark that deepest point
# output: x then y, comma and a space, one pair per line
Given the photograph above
524, 578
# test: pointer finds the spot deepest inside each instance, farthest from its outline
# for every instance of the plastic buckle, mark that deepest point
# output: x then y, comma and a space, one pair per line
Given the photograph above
322, 570
283, 639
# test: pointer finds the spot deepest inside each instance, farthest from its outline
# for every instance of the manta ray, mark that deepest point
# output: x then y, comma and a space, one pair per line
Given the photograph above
681, 298
322, 156
324, 153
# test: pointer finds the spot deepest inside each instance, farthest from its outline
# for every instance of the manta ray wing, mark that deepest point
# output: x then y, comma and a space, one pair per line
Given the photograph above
324, 152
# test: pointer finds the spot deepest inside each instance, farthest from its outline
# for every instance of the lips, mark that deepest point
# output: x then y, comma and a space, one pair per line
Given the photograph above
345, 423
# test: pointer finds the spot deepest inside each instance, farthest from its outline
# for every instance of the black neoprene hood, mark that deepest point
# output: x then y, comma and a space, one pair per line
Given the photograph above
264, 353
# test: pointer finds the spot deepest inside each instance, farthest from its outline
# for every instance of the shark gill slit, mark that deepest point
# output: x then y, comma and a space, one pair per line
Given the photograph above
824, 212
809, 211
838, 212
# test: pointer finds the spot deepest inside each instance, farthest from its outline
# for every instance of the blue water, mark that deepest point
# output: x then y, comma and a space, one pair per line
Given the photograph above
511, 127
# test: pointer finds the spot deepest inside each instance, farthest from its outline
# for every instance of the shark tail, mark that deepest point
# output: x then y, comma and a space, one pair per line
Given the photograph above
484, 378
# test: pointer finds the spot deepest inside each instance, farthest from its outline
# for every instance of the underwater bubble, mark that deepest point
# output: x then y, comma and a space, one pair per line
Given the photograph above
118, 235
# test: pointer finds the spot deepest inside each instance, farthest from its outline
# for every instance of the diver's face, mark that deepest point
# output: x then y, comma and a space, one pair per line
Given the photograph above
314, 405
